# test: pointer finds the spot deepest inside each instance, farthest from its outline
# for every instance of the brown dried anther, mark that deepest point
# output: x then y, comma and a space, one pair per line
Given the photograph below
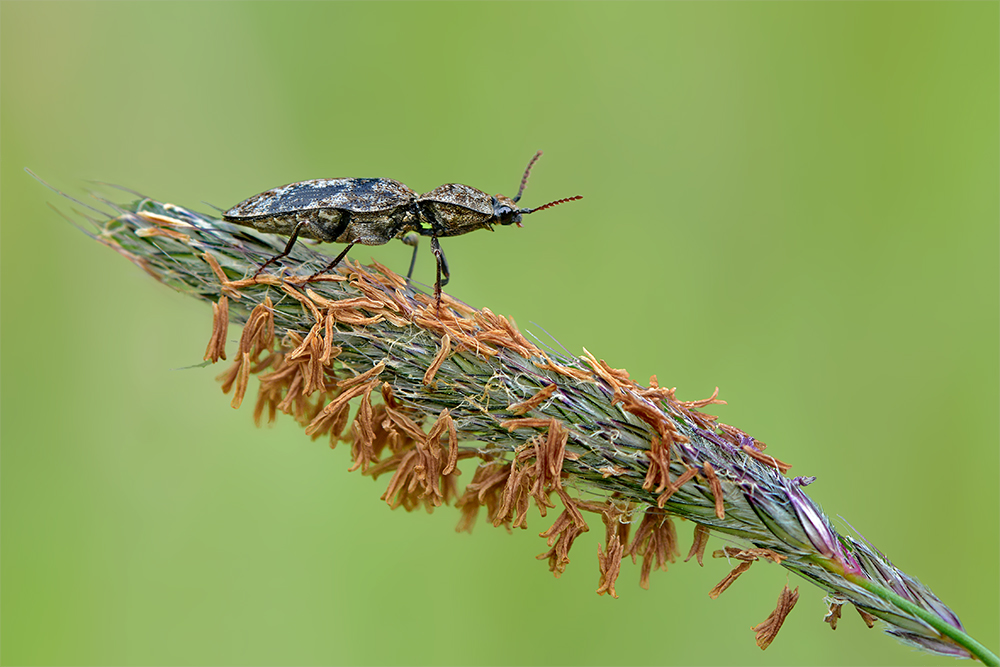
220, 327
329, 415
304, 300
766, 459
308, 356
746, 558
749, 555
833, 613
560, 537
701, 535
536, 399
363, 446
768, 629
656, 541
536, 472
498, 330
675, 486
439, 358
485, 489
609, 559
729, 579
372, 372
258, 336
716, 486
386, 435
226, 286
418, 479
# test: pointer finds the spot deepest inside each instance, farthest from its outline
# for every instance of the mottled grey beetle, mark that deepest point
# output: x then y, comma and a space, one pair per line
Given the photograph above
373, 211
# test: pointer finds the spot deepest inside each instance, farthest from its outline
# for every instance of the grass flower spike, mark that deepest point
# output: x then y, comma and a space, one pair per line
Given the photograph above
359, 358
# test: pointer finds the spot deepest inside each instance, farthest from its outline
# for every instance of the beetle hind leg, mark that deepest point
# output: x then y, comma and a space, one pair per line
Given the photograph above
330, 236
288, 247
329, 267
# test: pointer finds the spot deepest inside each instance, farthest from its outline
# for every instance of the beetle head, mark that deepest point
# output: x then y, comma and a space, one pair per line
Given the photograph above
505, 211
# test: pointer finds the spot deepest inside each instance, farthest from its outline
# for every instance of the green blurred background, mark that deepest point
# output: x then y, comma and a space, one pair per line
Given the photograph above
797, 202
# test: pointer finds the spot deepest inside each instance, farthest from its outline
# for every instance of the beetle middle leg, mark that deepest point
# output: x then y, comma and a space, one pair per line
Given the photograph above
413, 239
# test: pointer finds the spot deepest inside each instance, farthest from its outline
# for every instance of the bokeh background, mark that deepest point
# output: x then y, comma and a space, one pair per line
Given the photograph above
796, 202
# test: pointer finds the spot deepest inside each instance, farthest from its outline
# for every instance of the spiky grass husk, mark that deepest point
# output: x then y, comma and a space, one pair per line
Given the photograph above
437, 384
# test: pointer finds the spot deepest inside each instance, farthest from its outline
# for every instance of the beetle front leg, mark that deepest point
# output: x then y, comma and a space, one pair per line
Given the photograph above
443, 274
442, 268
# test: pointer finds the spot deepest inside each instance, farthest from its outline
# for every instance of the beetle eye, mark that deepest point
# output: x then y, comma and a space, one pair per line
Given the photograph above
506, 215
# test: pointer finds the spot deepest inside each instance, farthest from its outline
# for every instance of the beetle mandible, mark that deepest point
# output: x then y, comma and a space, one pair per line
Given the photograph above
373, 211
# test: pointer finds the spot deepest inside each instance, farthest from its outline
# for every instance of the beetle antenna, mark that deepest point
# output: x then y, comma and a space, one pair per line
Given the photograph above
550, 204
524, 179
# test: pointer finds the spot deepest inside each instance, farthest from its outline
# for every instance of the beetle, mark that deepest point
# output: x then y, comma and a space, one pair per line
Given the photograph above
373, 211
